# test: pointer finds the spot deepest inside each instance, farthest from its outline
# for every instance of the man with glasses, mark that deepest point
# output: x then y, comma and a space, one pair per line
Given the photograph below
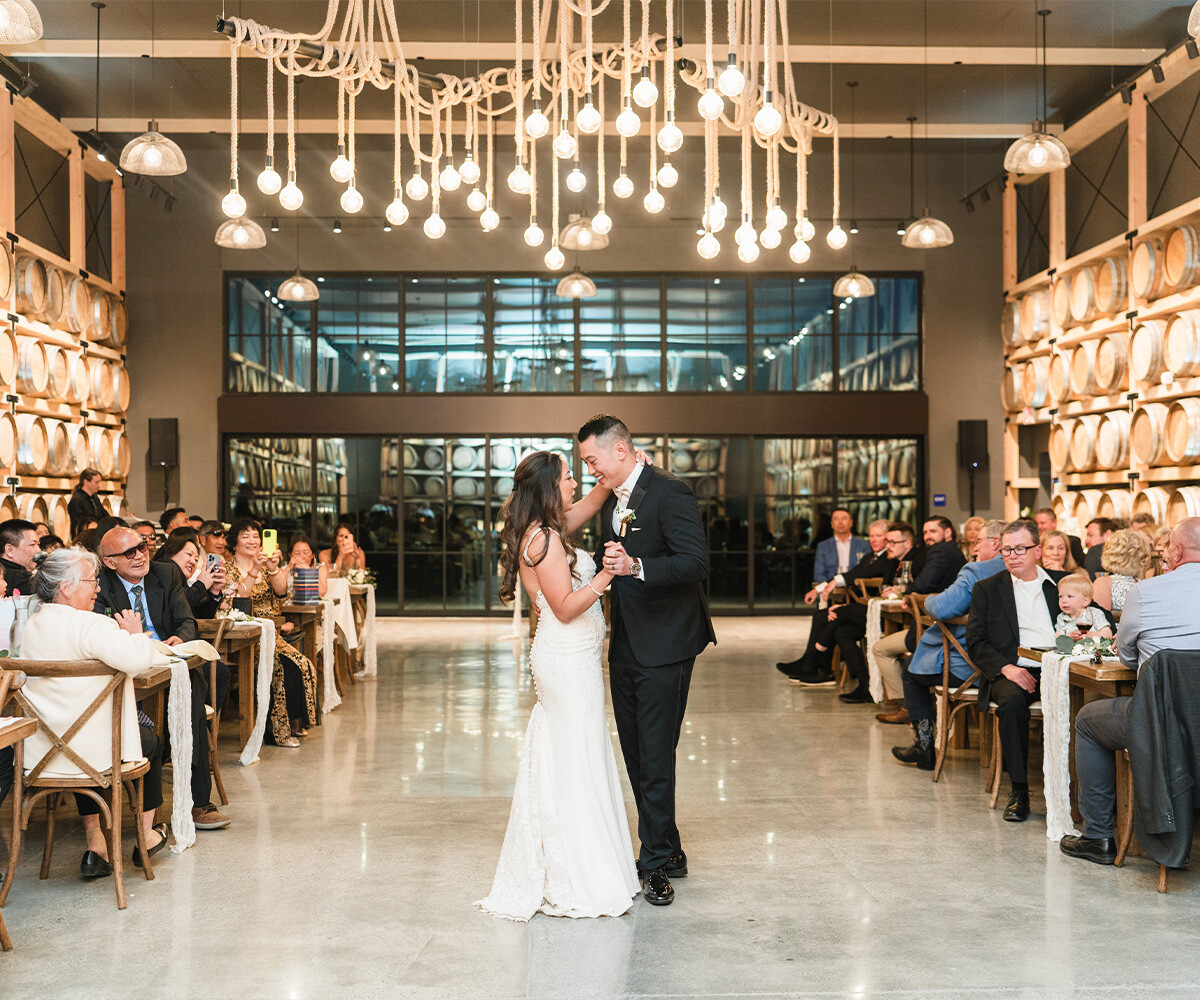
212, 538
149, 535
1011, 610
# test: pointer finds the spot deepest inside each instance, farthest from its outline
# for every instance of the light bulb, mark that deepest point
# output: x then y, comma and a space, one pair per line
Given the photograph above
397, 212
708, 246
435, 227
623, 186
748, 253
588, 118
152, 157
731, 81
489, 219
1038, 155
654, 201
417, 187
476, 200
799, 252
469, 171
926, 234
670, 138
718, 213
710, 104
291, 197
241, 235
805, 230
746, 233
584, 237
269, 181
855, 289
837, 238
534, 235
449, 179
601, 223
668, 176
341, 169
519, 181
536, 123
576, 179
233, 204
768, 121
352, 200
769, 238
628, 123
564, 145
776, 217
555, 258
645, 92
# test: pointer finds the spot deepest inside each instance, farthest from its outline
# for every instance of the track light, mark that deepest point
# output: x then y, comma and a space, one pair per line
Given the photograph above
1156, 71
1127, 94
337, 225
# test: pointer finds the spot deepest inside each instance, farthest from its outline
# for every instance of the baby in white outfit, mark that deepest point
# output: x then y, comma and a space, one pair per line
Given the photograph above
1078, 619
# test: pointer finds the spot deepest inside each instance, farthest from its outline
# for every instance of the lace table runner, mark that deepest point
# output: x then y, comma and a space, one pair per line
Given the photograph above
266, 667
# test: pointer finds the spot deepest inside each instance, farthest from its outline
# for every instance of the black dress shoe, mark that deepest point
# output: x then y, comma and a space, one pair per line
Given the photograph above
923, 757
676, 866
657, 888
1100, 850
859, 696
819, 678
1017, 810
162, 830
793, 668
94, 866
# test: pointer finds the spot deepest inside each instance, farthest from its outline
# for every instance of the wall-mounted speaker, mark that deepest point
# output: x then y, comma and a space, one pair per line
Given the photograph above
164, 441
972, 444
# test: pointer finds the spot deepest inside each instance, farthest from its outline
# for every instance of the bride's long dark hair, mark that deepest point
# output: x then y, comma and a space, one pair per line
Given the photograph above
535, 499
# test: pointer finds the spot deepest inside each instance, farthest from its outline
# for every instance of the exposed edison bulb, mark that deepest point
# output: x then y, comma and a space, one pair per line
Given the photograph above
731, 82
926, 234
601, 223
469, 171
536, 123
341, 169
805, 230
768, 121
519, 181
718, 213
534, 235
854, 288
397, 212
708, 246
449, 179
654, 202
746, 233
668, 176
564, 145
489, 219
417, 187
837, 238
241, 235
584, 237
670, 138
588, 118
628, 123
623, 186
776, 217
476, 200
710, 104
269, 181
748, 253
291, 197
576, 179
352, 200
152, 157
435, 227
769, 238
799, 252
1038, 156
233, 204
645, 92
555, 258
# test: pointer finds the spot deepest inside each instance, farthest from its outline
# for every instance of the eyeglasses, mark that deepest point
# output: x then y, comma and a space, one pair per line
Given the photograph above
129, 553
90, 579
896, 541
1016, 550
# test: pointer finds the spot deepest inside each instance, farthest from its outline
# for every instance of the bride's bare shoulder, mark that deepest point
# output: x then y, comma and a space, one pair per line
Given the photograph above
540, 543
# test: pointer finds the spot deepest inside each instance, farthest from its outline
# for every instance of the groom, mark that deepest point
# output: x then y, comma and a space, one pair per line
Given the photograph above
654, 542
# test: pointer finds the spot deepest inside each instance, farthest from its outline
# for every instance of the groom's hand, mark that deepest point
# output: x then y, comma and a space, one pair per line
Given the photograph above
616, 560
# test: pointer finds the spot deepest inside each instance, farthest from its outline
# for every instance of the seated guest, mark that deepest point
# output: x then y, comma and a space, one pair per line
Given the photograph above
924, 671
1099, 530
294, 681
48, 543
1162, 538
303, 556
172, 518
62, 627
345, 553
88, 539
1077, 617
149, 535
41, 529
1010, 610
212, 538
1057, 553
18, 546
836, 554
1127, 557
1159, 614
1047, 521
155, 593
201, 585
970, 535
1142, 521
84, 505
195, 521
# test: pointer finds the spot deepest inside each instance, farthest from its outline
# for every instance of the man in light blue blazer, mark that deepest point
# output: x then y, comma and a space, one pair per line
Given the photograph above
924, 670
837, 554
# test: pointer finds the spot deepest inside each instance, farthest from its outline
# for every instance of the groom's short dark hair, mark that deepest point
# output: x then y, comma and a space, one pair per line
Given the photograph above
606, 426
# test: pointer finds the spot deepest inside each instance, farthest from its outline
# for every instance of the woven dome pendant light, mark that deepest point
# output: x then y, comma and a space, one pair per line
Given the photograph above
928, 232
1038, 152
20, 22
853, 285
152, 153
298, 288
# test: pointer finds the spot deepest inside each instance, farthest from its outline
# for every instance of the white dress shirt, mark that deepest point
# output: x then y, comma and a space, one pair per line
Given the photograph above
843, 551
622, 493
1033, 616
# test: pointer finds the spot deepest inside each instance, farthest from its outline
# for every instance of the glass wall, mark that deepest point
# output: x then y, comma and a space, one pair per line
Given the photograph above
444, 334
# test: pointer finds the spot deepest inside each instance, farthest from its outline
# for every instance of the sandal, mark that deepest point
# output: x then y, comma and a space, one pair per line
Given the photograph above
163, 831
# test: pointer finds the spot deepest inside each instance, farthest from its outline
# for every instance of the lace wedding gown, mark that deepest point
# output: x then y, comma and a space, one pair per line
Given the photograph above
567, 851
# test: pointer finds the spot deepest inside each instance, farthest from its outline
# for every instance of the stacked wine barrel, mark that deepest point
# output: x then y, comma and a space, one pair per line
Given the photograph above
1106, 350
66, 390
273, 477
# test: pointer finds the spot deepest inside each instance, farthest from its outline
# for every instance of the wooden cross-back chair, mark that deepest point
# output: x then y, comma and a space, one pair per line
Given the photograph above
10, 682
954, 697
113, 787
867, 587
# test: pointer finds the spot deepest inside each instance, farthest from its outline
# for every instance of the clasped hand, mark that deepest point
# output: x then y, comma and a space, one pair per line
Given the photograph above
616, 560
1020, 677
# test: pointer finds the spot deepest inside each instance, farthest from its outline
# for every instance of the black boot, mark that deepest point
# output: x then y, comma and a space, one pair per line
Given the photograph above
921, 752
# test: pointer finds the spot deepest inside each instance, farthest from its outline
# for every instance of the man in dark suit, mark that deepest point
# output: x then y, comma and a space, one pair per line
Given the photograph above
654, 542
1012, 609
84, 505
18, 546
1099, 530
154, 591
1047, 520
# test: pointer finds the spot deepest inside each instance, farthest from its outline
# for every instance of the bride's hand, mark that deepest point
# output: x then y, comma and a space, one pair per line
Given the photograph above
642, 457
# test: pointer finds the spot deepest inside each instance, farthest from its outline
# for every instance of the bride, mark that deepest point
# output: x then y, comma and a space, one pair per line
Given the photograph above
567, 850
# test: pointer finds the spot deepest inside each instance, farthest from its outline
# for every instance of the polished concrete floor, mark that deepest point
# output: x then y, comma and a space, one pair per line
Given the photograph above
819, 867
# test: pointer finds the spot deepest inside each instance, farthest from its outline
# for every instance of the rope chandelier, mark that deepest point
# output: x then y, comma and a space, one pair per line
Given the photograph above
559, 100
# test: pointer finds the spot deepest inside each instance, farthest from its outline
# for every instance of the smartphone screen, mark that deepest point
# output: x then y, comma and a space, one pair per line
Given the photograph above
270, 543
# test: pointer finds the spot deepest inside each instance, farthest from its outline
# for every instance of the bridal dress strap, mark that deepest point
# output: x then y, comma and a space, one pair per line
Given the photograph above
529, 541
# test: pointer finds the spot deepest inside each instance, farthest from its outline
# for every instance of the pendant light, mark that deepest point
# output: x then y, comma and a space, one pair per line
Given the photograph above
928, 232
853, 285
152, 153
576, 285
20, 22
298, 288
1039, 152
580, 234
241, 234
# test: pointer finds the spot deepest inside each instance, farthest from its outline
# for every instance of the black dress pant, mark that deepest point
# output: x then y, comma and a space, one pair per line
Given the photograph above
648, 704
6, 772
918, 694
152, 750
1012, 715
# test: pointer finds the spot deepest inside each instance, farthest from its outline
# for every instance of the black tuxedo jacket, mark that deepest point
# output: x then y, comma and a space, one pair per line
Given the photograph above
873, 564
666, 615
993, 633
163, 593
939, 568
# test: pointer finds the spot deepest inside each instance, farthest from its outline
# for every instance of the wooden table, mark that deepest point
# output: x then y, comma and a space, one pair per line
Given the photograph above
13, 731
238, 646
308, 617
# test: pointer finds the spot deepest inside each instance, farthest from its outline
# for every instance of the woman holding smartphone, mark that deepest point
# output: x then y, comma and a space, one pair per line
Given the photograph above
345, 554
204, 592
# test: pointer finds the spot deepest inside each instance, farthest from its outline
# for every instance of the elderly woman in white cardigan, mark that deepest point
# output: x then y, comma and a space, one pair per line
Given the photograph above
63, 626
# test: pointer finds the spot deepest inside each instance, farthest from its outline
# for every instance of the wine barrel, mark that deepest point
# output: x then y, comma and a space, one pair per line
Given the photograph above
1060, 301
1111, 364
463, 458
58, 369
58, 449
1184, 502
8, 508
102, 384
119, 505
60, 517
8, 440
1011, 387
6, 272
1059, 505
33, 373
434, 457
33, 443
56, 297
31, 285
123, 456
1035, 382
1115, 503
119, 329
1183, 431
1112, 440
1086, 502
100, 439
1010, 324
1083, 443
8, 356
1181, 344
77, 391
1111, 294
464, 487
1035, 319
1146, 350
681, 461
1060, 447
1083, 295
81, 449
1060, 378
1153, 501
1083, 370
434, 487
1181, 258
1148, 434
120, 387
411, 489
1146, 269
101, 315
32, 507
78, 312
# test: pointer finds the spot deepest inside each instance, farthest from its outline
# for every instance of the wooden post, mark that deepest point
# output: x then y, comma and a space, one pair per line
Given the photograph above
1137, 160
1058, 217
1010, 234
117, 226
8, 168
78, 200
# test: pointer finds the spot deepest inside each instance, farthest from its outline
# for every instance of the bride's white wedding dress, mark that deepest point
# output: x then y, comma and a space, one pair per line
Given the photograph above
567, 851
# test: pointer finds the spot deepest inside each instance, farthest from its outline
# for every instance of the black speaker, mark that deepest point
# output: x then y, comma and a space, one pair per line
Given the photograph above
164, 441
972, 444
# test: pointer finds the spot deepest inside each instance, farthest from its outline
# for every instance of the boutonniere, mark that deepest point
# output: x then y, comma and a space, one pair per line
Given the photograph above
626, 518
